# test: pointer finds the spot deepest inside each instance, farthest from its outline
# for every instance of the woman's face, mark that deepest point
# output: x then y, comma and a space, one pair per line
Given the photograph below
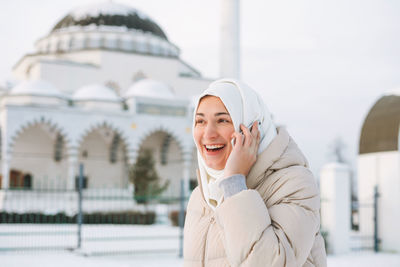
212, 132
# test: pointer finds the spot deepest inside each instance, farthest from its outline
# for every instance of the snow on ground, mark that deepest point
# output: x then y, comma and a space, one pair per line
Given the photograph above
69, 259
96, 239
365, 259
34, 245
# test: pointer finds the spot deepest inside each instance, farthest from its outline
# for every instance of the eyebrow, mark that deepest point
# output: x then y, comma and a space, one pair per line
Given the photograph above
216, 114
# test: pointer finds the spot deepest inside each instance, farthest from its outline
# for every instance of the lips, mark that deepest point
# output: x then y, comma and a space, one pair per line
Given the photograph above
212, 148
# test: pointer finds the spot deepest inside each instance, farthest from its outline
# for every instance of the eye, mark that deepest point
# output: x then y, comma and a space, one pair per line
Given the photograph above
199, 121
223, 120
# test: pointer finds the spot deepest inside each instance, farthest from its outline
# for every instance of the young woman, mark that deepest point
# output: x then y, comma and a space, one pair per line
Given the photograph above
257, 203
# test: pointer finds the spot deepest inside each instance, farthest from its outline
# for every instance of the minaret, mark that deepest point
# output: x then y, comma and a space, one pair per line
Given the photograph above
229, 39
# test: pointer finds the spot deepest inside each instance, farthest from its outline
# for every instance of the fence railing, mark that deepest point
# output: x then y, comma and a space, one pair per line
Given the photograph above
91, 221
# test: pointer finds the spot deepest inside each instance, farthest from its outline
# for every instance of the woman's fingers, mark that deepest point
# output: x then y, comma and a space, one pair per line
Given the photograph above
248, 138
238, 139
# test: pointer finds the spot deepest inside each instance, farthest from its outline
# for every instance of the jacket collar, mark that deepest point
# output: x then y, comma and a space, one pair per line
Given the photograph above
267, 158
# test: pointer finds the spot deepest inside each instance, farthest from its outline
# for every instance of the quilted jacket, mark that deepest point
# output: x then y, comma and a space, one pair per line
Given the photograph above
275, 222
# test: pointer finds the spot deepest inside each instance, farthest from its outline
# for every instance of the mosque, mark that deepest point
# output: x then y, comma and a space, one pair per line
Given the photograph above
104, 85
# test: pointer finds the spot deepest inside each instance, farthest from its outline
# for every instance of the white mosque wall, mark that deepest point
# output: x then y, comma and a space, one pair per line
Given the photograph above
99, 105
22, 100
381, 169
68, 76
130, 63
73, 70
89, 57
190, 86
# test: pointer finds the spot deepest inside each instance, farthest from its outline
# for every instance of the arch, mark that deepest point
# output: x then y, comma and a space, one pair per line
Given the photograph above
39, 148
102, 148
34, 122
168, 152
103, 123
161, 128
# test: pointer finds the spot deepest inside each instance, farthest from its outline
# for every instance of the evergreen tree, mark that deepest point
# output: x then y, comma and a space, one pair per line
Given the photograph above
145, 178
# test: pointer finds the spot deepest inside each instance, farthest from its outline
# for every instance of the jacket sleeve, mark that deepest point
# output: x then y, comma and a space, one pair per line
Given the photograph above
281, 235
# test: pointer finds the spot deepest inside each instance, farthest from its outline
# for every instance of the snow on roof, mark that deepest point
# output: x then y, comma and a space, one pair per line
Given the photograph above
150, 88
97, 92
36, 87
123, 17
105, 8
393, 92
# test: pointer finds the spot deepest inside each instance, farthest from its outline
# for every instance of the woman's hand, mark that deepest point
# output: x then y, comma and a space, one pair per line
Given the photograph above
244, 153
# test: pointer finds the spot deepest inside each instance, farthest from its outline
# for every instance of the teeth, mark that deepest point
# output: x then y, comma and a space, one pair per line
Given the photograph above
214, 146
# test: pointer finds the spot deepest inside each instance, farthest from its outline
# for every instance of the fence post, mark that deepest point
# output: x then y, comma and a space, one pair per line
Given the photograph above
79, 216
336, 206
181, 217
376, 238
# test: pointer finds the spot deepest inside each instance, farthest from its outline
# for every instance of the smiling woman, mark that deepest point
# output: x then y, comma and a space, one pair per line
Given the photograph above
257, 203
213, 132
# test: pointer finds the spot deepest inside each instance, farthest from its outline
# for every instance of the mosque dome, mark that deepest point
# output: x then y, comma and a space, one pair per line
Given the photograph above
150, 88
36, 88
110, 14
107, 26
96, 92
380, 130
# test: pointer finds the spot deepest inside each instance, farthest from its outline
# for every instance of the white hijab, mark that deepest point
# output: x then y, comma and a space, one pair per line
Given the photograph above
244, 106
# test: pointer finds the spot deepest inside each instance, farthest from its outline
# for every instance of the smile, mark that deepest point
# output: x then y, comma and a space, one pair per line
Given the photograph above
212, 148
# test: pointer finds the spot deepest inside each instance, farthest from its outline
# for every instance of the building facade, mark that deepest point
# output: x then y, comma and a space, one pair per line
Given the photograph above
104, 85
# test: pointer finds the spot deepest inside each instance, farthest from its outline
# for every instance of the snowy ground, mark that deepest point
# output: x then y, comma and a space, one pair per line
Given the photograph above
120, 246
68, 259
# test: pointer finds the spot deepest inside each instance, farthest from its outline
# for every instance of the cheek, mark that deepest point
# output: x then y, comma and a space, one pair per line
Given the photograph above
197, 136
228, 133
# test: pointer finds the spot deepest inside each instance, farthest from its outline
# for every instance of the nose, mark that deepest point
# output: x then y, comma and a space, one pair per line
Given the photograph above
210, 131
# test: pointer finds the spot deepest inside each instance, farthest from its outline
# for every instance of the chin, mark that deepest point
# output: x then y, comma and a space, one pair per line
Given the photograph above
214, 166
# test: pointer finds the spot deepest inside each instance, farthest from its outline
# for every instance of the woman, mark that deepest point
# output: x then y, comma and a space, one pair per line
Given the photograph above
257, 203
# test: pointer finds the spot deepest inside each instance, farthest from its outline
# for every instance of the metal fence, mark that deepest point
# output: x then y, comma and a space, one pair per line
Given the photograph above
366, 237
90, 221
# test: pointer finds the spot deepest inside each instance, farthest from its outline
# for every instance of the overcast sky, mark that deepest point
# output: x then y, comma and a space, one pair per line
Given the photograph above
319, 65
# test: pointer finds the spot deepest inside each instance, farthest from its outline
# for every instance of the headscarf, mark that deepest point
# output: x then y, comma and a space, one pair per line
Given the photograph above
244, 106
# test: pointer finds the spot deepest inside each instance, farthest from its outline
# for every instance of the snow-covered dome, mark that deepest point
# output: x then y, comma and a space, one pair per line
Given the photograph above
107, 26
97, 92
380, 130
150, 88
109, 14
37, 88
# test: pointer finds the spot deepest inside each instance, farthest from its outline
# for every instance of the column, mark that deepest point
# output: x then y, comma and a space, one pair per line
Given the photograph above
187, 161
73, 155
5, 170
131, 156
5, 158
336, 206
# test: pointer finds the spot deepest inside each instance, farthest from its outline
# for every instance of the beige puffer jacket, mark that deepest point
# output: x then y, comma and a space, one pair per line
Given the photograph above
274, 223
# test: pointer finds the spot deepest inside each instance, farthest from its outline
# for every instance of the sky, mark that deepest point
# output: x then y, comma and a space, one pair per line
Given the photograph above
319, 65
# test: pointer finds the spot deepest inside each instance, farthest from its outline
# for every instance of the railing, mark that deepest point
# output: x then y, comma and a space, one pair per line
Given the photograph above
90, 221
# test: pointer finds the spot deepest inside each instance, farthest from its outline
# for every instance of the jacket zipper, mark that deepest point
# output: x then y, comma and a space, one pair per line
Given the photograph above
206, 245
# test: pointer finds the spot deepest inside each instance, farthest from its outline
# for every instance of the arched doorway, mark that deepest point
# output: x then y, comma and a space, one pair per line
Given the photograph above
39, 158
167, 155
103, 154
